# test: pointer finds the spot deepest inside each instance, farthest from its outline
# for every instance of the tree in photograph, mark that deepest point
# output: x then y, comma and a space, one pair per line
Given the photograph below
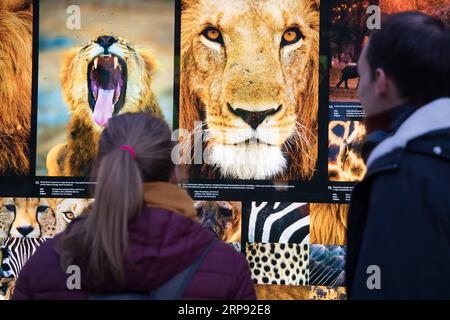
348, 18
437, 8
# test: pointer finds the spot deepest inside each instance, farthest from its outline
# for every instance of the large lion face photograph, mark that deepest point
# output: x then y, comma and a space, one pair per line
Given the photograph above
249, 83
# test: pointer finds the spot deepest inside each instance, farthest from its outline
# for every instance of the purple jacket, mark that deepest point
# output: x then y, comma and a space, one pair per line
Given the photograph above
162, 244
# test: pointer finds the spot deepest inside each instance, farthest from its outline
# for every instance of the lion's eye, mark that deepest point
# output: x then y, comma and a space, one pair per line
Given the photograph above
291, 36
213, 34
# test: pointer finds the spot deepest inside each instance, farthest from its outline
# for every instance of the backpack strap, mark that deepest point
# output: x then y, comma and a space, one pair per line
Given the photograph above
175, 287
170, 290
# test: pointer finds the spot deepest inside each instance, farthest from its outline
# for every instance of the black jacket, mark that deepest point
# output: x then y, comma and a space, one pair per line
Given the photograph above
399, 218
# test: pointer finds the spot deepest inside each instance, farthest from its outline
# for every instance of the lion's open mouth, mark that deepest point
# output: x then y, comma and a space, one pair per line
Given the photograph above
107, 83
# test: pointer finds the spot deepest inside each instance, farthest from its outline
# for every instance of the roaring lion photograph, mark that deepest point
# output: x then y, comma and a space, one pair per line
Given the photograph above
108, 66
16, 35
118, 80
249, 78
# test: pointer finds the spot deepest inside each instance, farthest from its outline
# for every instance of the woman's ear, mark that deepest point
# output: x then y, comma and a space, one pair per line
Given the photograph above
386, 87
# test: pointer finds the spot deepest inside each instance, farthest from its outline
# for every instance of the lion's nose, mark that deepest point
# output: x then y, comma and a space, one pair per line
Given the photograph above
253, 118
106, 41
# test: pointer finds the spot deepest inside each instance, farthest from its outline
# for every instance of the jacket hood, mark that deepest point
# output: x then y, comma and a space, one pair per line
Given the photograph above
432, 117
162, 242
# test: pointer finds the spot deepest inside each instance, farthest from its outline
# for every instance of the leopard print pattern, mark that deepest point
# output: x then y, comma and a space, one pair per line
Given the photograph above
327, 293
345, 162
278, 263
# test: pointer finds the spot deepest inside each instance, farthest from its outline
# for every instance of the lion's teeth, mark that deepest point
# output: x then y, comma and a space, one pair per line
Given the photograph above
116, 62
95, 63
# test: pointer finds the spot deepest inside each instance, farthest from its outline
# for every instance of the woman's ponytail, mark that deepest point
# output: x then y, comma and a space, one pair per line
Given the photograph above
133, 149
118, 195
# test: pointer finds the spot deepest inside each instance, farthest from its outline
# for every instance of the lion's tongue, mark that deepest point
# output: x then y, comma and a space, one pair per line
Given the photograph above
103, 107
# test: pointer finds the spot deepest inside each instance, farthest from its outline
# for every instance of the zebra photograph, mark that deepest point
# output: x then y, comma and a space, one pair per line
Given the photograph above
15, 253
278, 222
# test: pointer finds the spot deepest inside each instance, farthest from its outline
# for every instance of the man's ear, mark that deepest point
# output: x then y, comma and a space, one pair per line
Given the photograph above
381, 82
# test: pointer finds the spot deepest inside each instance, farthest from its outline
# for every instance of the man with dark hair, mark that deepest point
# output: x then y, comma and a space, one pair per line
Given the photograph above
399, 221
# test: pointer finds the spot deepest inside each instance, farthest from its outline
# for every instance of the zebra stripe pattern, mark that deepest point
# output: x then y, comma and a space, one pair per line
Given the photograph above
16, 252
279, 223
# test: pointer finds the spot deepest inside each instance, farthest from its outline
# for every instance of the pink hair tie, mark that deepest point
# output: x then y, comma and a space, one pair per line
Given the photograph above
130, 150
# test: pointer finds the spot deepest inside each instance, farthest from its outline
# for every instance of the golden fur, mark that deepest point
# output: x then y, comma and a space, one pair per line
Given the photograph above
328, 223
228, 229
75, 158
252, 71
15, 5
281, 292
37, 213
16, 25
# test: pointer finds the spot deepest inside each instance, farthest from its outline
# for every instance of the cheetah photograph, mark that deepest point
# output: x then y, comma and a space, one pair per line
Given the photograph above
26, 223
38, 217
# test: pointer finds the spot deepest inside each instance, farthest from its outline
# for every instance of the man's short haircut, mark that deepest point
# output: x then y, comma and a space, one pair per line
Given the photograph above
414, 50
